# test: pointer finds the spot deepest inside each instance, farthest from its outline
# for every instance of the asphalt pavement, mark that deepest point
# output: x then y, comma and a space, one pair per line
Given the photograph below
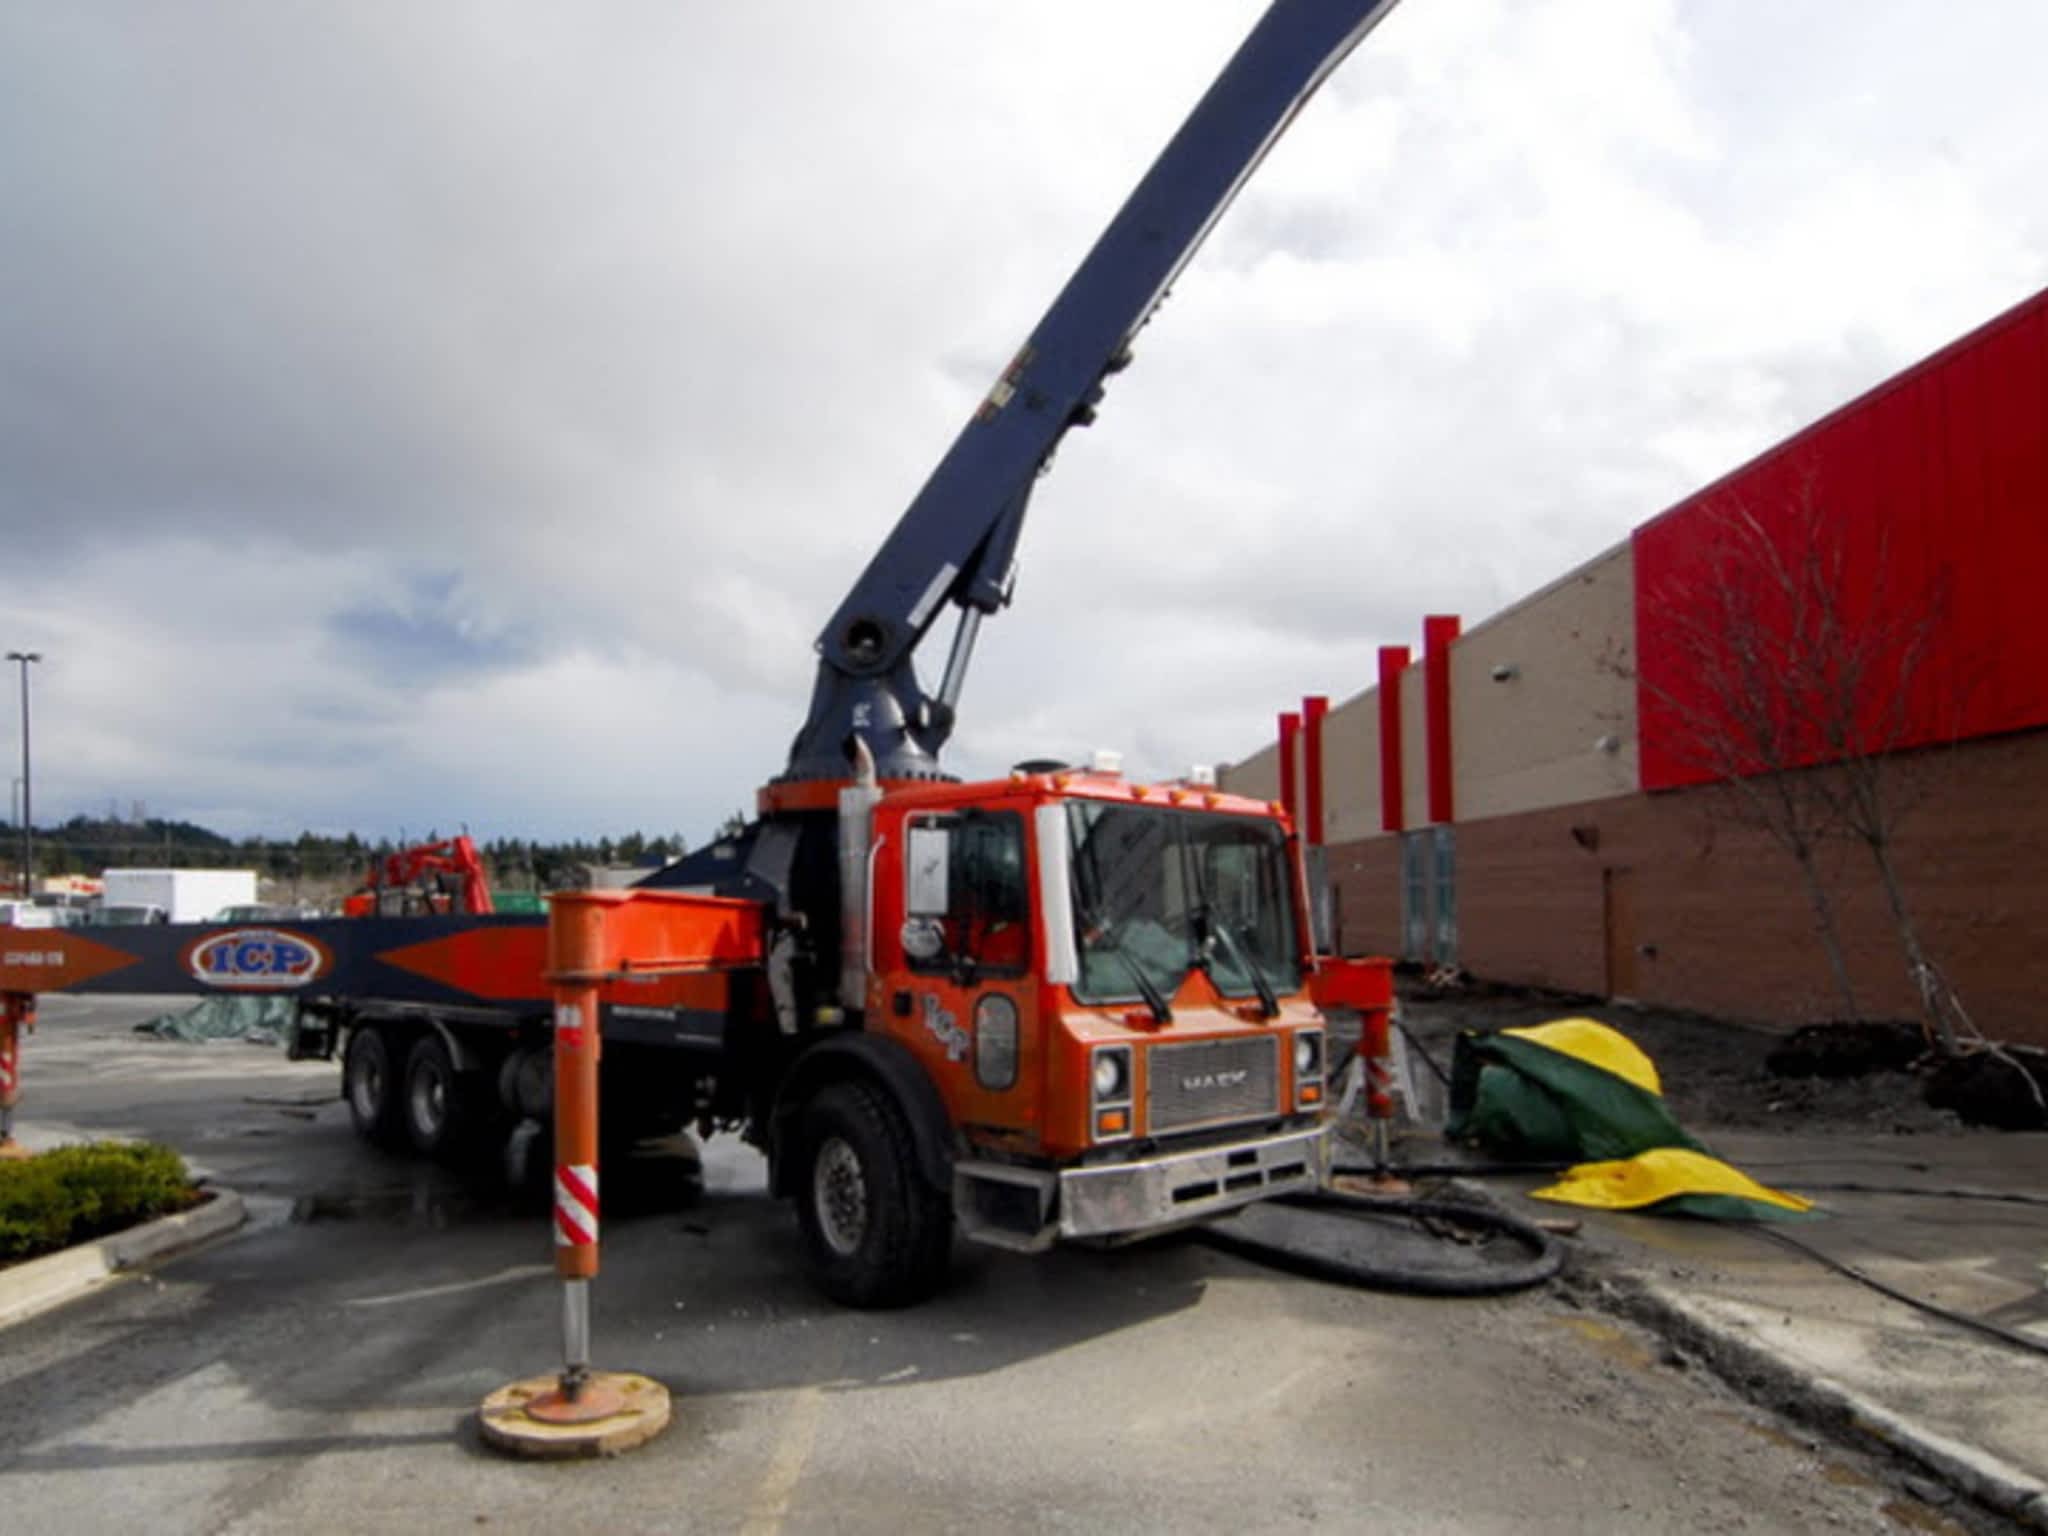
319, 1371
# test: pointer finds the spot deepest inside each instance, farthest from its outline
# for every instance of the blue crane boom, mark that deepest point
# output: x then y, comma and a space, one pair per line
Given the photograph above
956, 544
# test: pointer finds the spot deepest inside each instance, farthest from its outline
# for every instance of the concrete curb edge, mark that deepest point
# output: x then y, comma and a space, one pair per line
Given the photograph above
40, 1284
1748, 1365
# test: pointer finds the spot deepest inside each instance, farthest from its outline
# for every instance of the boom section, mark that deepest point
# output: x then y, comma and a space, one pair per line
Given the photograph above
956, 543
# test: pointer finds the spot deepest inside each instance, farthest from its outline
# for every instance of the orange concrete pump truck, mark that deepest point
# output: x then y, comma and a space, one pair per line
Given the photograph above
1060, 1005
1054, 1006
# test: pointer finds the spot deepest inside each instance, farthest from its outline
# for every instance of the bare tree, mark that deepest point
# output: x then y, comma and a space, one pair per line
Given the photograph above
1806, 685
1868, 657
1808, 679
1738, 626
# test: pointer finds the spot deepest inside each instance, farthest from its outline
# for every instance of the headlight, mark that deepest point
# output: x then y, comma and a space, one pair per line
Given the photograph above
1110, 1078
1308, 1054
1112, 1075
995, 1041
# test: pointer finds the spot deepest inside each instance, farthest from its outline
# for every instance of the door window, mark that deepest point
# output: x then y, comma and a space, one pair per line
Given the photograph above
966, 894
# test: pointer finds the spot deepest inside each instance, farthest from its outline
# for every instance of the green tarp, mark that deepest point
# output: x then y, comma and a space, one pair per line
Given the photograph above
1524, 1100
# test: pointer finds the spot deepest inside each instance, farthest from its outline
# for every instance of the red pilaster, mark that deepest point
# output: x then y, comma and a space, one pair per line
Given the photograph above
1290, 741
1313, 708
1438, 631
1393, 662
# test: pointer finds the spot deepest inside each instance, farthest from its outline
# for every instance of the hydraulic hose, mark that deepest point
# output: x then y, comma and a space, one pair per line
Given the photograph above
1263, 1233
1998, 1332
1449, 1170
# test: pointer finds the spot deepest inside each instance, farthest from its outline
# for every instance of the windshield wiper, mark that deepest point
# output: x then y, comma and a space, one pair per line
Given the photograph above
1106, 943
1205, 919
1269, 1000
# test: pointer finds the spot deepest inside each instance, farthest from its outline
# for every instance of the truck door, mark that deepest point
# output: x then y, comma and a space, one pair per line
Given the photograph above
965, 1001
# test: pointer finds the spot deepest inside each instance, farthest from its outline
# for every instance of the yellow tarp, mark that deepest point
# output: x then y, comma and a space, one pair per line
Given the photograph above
1592, 1042
1661, 1174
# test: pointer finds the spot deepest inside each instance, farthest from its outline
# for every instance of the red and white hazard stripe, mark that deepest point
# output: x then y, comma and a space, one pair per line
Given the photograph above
10, 1069
1379, 1091
575, 1205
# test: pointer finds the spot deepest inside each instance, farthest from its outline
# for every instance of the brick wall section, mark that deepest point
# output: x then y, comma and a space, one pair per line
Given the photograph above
1723, 910
1366, 875
1529, 897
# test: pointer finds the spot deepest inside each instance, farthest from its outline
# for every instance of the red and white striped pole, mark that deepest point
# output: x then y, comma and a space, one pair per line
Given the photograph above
576, 1048
581, 1412
1376, 1049
17, 1014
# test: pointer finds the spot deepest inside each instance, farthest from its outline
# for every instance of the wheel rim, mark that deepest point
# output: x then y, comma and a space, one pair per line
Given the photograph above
429, 1100
366, 1088
839, 1196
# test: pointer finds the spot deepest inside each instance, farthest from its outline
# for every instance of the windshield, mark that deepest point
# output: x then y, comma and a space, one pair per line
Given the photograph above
1159, 892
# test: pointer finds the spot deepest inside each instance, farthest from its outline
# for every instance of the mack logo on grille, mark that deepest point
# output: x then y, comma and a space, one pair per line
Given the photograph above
1211, 1082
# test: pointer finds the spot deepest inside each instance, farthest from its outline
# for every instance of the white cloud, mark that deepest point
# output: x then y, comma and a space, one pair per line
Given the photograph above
412, 415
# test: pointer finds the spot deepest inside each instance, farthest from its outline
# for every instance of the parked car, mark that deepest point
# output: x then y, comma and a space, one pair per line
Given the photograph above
26, 914
265, 912
125, 914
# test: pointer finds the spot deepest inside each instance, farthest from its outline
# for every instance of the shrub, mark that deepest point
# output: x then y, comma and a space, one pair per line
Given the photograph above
73, 1194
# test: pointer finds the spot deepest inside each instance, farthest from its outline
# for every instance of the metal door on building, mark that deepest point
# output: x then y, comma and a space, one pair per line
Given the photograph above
1429, 896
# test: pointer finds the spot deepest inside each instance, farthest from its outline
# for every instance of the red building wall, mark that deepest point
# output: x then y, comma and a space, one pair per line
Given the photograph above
1928, 499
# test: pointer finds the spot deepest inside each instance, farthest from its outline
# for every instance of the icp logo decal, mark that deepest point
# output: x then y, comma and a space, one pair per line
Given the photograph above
257, 960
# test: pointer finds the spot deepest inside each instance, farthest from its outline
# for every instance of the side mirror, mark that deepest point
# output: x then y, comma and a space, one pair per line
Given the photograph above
928, 863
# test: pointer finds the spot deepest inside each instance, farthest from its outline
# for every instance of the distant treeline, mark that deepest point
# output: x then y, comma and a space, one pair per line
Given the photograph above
85, 846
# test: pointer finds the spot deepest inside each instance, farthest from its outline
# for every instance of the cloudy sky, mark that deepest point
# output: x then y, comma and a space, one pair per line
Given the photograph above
467, 413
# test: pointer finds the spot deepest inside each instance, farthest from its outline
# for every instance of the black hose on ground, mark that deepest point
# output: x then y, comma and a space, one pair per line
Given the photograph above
2004, 1196
1449, 1170
2011, 1337
1314, 1235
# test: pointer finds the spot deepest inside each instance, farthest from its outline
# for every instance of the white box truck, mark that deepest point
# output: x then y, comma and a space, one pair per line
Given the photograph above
182, 895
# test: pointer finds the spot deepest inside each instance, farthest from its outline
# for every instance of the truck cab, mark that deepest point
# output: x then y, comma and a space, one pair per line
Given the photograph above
1105, 983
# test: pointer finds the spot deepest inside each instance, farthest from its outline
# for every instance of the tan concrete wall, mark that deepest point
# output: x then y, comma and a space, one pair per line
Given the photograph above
1530, 741
1351, 769
1258, 776
1415, 746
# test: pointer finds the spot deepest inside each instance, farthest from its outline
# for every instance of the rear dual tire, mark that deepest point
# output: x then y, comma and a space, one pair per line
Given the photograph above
435, 1109
423, 1104
370, 1081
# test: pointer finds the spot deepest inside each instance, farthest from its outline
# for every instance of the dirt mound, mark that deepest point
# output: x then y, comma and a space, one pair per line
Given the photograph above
1994, 1090
1847, 1048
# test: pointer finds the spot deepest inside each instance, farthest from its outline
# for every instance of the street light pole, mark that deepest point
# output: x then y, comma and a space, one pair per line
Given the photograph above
28, 836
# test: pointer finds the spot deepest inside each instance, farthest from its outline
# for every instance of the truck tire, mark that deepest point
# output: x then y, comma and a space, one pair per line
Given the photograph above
370, 1083
876, 1233
437, 1105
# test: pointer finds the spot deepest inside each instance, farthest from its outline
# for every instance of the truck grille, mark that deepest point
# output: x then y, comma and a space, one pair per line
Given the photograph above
1211, 1081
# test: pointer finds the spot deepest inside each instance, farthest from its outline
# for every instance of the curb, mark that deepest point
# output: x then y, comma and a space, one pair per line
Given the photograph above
40, 1284
1750, 1367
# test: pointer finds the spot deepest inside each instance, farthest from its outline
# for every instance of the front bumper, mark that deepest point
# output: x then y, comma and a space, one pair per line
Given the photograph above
1125, 1199
1029, 1209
